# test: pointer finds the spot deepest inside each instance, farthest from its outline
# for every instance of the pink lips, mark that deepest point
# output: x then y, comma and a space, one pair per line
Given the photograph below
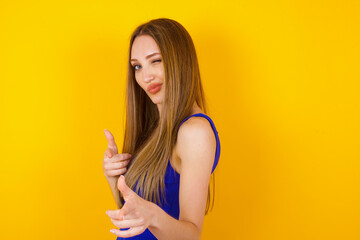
154, 88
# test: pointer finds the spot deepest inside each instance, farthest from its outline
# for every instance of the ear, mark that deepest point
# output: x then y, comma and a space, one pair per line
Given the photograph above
123, 188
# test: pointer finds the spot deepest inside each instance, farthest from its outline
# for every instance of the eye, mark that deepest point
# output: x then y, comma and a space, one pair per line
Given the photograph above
136, 67
157, 60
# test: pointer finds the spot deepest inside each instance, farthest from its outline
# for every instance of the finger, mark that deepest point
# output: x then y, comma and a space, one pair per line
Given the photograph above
118, 157
111, 141
114, 214
117, 172
115, 165
128, 233
124, 189
108, 154
128, 223
121, 214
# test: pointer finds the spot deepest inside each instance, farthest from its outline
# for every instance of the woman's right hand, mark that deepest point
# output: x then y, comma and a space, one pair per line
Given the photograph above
114, 164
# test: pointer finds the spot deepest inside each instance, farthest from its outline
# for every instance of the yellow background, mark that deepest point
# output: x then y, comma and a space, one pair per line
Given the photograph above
282, 82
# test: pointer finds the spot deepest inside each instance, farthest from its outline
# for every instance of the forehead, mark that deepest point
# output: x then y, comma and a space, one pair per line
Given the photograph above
143, 46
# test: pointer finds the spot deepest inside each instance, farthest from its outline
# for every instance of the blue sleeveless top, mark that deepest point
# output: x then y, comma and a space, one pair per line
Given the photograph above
172, 184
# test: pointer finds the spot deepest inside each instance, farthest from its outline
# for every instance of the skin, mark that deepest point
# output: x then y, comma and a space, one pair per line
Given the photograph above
194, 152
149, 68
114, 164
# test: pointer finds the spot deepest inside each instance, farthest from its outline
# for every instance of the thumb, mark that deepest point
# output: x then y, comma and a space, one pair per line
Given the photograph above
111, 141
123, 188
109, 153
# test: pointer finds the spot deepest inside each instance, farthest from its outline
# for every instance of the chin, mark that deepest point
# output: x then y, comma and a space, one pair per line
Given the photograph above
156, 99
157, 102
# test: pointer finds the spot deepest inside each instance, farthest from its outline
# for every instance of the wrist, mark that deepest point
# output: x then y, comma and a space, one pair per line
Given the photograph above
154, 215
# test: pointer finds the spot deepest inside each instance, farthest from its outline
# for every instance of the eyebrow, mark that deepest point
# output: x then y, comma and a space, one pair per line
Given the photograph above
148, 56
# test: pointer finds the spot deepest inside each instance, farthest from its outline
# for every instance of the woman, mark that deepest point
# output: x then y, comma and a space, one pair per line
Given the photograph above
174, 144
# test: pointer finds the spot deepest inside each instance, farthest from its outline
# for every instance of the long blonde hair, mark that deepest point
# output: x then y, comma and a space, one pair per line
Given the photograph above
151, 137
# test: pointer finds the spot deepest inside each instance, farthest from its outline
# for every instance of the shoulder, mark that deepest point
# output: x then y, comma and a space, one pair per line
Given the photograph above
196, 142
195, 127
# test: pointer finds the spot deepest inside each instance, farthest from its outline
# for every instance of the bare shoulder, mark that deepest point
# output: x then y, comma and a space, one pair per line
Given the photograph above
195, 126
196, 142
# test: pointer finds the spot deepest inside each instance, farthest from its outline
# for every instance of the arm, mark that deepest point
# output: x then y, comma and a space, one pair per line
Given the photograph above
196, 148
115, 191
166, 227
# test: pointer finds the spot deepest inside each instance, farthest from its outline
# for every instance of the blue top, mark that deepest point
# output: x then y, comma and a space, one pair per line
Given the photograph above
172, 184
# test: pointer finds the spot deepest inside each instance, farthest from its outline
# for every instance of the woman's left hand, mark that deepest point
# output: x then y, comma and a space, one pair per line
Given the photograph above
136, 213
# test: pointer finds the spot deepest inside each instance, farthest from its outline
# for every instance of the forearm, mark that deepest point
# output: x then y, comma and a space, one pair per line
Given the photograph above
166, 227
115, 191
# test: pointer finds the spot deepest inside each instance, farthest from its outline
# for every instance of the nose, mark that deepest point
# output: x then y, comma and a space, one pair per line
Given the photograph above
148, 75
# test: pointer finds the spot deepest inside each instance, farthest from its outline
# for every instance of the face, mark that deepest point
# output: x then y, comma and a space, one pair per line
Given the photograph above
147, 62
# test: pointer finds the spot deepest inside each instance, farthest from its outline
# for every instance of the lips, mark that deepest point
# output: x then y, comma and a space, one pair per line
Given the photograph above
155, 87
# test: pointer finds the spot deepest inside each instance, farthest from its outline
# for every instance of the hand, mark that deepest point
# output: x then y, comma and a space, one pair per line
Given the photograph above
114, 164
136, 213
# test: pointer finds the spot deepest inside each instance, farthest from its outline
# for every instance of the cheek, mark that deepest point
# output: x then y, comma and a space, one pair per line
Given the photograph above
136, 75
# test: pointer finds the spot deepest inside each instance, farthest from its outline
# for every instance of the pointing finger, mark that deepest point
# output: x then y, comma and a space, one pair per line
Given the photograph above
128, 223
128, 233
114, 214
111, 141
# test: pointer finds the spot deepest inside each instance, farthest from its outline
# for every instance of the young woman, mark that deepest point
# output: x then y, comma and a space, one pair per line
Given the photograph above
171, 147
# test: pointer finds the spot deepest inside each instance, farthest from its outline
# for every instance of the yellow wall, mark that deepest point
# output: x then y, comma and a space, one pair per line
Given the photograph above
281, 77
